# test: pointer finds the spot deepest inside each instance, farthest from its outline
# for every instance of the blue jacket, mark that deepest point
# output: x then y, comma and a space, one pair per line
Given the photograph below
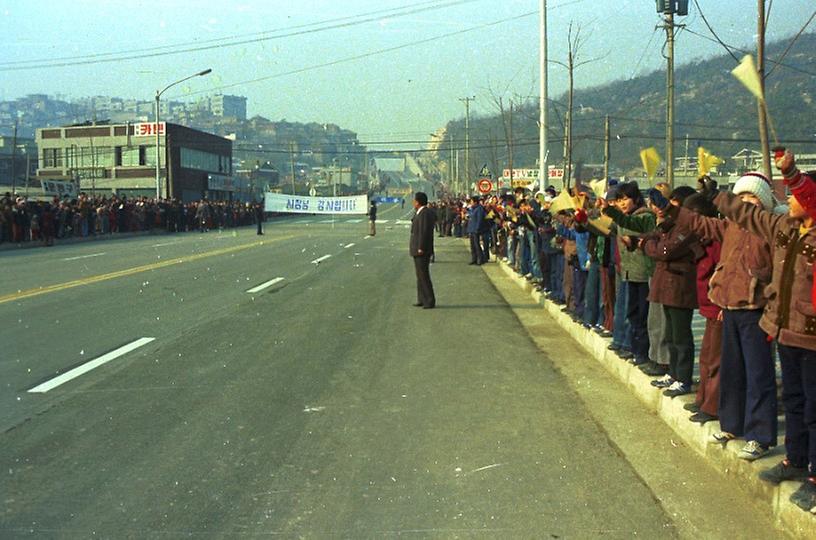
476, 219
581, 244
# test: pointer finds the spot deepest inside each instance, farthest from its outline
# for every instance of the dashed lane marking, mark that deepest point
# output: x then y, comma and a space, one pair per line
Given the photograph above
321, 259
354, 221
264, 285
83, 257
88, 366
348, 246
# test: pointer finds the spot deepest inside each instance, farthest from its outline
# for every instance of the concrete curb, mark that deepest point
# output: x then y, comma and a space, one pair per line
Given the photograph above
798, 523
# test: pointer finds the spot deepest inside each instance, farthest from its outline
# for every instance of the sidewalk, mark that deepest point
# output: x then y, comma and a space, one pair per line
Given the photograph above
799, 523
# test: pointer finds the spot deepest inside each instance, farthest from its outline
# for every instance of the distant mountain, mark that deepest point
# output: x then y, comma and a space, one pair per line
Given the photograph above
712, 108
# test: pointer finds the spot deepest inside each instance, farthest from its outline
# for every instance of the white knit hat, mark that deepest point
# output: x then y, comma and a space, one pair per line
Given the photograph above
758, 184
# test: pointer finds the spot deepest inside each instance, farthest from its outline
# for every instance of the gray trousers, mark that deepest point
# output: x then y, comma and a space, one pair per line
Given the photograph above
656, 325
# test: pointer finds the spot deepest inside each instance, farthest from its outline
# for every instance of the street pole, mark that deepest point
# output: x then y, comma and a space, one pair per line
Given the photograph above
606, 148
466, 101
670, 98
292, 162
542, 100
158, 97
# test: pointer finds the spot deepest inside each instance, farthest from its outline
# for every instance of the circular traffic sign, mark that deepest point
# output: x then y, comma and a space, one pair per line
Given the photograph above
485, 185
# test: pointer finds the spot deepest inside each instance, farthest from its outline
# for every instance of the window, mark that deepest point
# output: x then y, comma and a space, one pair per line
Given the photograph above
143, 155
52, 157
117, 157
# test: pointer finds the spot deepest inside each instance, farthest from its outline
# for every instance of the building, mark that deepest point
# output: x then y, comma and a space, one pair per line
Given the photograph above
18, 163
121, 159
225, 106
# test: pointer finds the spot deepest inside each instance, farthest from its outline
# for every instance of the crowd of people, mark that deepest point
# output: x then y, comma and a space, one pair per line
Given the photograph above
24, 220
633, 267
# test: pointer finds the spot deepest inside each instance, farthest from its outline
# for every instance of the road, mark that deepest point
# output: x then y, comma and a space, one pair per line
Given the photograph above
323, 405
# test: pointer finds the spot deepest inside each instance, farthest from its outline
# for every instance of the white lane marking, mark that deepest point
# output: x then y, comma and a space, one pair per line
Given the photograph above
165, 244
302, 222
88, 366
321, 259
327, 221
354, 221
348, 246
366, 237
402, 222
83, 257
382, 221
265, 284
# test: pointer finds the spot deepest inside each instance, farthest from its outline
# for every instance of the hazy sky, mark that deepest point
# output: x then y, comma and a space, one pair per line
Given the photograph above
396, 95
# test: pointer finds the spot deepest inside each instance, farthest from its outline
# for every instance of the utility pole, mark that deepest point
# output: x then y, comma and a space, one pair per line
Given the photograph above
606, 148
292, 162
669, 26
779, 190
466, 101
568, 122
14, 157
510, 144
686, 162
542, 99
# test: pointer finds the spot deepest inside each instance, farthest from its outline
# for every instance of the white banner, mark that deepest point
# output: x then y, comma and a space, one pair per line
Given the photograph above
59, 188
277, 202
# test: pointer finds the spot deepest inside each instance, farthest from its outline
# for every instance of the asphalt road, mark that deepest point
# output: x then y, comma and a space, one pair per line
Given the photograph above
324, 405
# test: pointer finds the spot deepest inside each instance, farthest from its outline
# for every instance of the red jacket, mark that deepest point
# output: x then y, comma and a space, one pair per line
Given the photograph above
705, 269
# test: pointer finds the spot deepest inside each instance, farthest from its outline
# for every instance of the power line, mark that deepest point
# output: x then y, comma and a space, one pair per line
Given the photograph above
713, 33
335, 26
790, 45
214, 40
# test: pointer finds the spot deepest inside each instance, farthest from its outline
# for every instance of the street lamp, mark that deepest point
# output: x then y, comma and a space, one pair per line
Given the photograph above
158, 96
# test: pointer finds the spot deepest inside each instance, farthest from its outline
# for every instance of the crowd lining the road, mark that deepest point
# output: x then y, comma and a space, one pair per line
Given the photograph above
23, 221
634, 268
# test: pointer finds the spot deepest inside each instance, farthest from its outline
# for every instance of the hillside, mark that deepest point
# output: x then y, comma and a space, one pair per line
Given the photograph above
712, 108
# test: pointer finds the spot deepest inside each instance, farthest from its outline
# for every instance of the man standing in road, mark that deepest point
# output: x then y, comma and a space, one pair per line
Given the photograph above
421, 249
477, 218
259, 216
372, 218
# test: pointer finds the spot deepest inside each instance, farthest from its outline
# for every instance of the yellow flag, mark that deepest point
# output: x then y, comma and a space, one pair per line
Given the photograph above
562, 202
706, 160
598, 187
746, 73
603, 224
651, 160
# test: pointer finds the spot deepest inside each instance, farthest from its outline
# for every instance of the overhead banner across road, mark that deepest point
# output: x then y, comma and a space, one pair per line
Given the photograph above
277, 202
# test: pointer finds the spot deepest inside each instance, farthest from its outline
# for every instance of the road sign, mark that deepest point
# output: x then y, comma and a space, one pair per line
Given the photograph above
485, 185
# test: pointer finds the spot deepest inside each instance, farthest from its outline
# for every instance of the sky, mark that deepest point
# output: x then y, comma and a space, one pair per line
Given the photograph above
440, 51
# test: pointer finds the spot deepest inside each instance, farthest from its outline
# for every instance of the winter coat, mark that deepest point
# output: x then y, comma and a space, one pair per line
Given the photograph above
789, 315
635, 265
675, 250
744, 269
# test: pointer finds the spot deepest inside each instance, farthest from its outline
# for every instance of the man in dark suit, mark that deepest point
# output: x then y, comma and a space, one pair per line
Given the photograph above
421, 249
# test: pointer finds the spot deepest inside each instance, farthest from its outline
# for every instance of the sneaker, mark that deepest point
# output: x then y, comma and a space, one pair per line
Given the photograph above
722, 437
653, 369
701, 417
752, 450
783, 471
638, 361
626, 355
805, 496
677, 389
692, 407
614, 347
663, 382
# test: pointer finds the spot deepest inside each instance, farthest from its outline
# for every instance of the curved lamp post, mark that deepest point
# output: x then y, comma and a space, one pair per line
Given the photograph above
158, 96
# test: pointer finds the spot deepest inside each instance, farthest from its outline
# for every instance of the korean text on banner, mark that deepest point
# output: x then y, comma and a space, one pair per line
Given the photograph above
296, 204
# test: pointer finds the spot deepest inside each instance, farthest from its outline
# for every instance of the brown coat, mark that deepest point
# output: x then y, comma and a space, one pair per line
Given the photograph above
789, 316
744, 270
674, 250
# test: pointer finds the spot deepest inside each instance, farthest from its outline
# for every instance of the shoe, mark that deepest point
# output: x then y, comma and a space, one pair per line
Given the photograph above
692, 407
701, 417
752, 450
429, 307
663, 382
613, 347
528, 276
722, 437
677, 389
653, 369
782, 472
418, 304
626, 355
638, 361
472, 263
805, 496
